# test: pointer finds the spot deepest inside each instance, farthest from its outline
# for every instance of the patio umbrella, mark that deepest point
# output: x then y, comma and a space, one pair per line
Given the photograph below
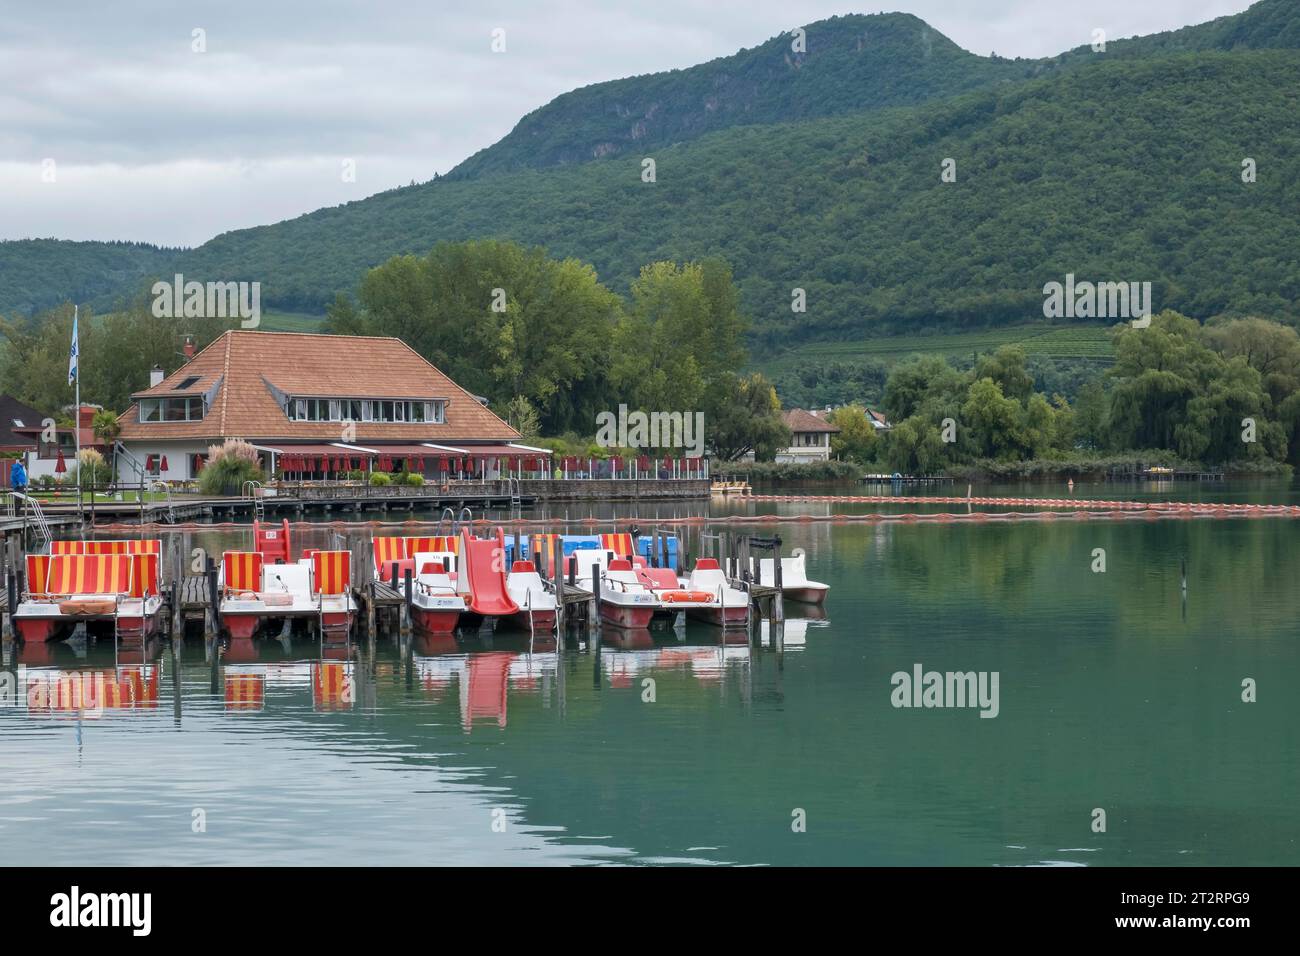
61, 466
164, 463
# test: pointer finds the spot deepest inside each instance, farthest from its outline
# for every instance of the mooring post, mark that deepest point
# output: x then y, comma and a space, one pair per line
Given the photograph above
557, 555
178, 589
213, 615
778, 602
6, 620
593, 604
409, 592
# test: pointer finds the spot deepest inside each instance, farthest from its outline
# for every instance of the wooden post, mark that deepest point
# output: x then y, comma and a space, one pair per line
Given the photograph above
593, 605
6, 625
213, 616
178, 589
778, 600
557, 567
409, 592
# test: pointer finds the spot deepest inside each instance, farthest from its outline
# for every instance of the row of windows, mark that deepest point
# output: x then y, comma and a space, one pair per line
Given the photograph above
365, 410
171, 409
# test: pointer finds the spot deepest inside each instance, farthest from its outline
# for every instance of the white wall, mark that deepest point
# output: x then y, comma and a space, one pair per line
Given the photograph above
178, 458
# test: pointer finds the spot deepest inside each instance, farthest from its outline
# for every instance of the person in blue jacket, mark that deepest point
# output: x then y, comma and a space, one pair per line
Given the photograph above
18, 476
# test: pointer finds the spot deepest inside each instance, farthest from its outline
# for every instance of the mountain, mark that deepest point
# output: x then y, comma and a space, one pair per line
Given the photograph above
36, 274
826, 176
845, 64
849, 64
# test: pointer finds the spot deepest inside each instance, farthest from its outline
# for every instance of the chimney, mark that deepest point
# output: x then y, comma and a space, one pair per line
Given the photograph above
86, 416
156, 376
189, 348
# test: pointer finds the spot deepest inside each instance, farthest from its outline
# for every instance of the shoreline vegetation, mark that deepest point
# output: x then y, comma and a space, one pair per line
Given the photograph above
1085, 467
552, 350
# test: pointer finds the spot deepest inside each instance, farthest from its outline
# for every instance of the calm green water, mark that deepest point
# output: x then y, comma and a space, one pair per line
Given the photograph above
1114, 693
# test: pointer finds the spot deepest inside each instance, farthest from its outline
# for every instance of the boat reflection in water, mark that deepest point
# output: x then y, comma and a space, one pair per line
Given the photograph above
483, 679
81, 678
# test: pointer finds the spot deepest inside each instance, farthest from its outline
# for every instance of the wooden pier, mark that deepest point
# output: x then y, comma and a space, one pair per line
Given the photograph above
190, 598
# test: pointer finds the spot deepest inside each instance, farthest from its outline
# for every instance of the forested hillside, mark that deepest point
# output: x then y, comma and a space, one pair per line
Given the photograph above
1127, 171
1127, 166
36, 274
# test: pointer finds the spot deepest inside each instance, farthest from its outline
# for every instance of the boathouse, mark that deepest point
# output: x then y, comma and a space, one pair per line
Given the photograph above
318, 407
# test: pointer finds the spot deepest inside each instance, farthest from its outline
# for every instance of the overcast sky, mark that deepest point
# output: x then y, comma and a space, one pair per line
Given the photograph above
151, 141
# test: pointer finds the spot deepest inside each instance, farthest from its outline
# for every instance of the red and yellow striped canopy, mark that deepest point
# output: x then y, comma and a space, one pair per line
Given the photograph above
620, 544
90, 574
243, 570
332, 571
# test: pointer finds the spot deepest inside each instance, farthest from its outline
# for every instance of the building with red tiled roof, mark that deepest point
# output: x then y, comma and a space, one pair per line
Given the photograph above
810, 437
314, 405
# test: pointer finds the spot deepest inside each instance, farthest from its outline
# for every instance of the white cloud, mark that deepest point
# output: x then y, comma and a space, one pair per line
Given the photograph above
157, 143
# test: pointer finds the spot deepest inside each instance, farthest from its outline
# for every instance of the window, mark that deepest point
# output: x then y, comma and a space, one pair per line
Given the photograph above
171, 409
18, 423
187, 382
363, 410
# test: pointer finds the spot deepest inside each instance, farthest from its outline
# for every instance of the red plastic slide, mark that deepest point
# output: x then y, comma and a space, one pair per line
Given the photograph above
484, 561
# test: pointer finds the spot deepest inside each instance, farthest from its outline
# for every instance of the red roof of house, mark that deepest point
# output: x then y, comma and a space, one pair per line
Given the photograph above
245, 365
799, 420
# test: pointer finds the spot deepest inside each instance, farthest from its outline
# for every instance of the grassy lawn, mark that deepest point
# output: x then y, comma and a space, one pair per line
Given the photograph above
70, 497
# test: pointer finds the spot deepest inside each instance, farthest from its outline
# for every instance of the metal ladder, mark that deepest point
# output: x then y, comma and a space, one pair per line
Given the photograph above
33, 507
249, 490
516, 499
167, 490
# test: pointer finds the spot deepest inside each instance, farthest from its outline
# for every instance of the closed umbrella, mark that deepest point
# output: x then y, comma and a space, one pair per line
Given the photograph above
61, 466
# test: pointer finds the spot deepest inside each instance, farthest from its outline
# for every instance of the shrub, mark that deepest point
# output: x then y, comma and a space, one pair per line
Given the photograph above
766, 471
229, 465
413, 479
91, 467
380, 478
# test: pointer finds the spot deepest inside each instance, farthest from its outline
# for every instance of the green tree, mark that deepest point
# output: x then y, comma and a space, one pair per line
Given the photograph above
857, 439
1006, 366
743, 414
993, 420
502, 320
915, 446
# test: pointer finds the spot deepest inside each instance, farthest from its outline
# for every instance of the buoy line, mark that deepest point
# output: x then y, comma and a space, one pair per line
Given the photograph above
1095, 511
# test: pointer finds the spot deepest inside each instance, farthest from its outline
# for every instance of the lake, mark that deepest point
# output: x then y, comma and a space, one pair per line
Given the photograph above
1117, 691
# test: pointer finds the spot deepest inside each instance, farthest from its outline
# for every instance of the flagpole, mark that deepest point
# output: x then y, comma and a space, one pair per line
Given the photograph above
76, 416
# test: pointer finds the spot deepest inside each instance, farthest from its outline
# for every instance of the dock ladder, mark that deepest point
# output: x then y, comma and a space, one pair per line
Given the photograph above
32, 507
250, 489
166, 490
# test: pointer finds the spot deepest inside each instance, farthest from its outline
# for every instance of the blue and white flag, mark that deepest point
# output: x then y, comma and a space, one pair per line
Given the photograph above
72, 356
